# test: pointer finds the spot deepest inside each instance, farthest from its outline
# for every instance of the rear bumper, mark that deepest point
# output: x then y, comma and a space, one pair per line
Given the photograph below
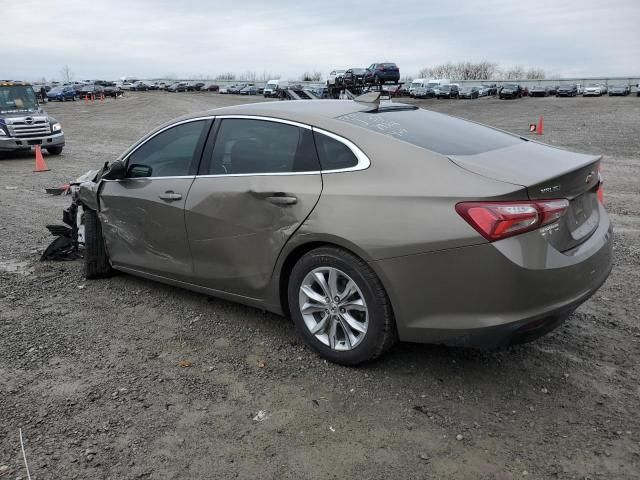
492, 294
11, 144
385, 77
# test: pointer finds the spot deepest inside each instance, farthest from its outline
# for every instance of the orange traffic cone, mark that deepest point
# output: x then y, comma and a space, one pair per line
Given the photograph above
41, 166
540, 129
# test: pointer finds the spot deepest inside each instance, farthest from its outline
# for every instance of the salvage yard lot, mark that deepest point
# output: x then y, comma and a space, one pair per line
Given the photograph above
126, 378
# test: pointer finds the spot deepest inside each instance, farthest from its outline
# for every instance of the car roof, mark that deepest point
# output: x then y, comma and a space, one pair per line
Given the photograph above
317, 113
305, 111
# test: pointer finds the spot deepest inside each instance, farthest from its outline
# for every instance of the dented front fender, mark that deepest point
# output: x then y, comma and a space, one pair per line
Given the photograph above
88, 194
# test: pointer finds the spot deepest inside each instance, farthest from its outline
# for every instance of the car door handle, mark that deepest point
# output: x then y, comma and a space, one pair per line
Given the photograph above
282, 200
170, 195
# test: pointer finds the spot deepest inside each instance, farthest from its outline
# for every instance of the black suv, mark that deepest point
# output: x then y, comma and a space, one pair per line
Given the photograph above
567, 91
91, 90
448, 91
510, 90
382, 73
354, 77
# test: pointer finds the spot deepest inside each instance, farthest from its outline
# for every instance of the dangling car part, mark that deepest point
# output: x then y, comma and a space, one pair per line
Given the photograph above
69, 240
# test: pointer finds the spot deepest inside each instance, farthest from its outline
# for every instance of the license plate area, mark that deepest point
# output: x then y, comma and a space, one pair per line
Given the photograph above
582, 216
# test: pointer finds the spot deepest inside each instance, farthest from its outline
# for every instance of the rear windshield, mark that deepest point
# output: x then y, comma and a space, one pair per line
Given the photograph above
433, 131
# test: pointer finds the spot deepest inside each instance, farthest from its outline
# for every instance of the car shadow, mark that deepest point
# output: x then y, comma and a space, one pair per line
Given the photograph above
440, 362
21, 155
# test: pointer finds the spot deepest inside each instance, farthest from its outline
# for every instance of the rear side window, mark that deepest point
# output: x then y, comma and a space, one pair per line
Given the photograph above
433, 131
334, 155
246, 146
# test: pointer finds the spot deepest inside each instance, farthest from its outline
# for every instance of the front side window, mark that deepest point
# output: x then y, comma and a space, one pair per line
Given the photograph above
247, 146
168, 154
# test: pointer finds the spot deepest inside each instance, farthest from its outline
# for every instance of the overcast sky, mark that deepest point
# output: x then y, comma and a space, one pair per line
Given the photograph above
109, 39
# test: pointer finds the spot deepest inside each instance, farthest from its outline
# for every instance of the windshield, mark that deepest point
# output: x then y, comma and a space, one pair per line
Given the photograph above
416, 84
511, 86
17, 98
56, 90
272, 85
432, 85
358, 71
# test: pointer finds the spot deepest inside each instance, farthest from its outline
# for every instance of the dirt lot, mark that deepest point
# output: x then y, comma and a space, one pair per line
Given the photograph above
89, 370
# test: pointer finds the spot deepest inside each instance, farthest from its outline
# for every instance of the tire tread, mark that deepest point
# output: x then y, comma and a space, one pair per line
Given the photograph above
388, 334
96, 260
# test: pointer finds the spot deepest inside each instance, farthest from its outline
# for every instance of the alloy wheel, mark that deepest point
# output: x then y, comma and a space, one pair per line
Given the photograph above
333, 308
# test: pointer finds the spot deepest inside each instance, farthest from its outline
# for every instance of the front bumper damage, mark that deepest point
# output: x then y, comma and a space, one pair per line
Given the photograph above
69, 240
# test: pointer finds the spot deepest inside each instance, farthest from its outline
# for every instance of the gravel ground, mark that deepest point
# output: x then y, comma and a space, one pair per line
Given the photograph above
125, 378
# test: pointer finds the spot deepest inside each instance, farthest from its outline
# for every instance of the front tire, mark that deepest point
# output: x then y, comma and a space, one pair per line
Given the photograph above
340, 307
54, 150
96, 259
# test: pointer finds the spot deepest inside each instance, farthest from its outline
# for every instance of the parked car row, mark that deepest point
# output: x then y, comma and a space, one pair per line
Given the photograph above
573, 90
242, 89
71, 92
442, 88
142, 86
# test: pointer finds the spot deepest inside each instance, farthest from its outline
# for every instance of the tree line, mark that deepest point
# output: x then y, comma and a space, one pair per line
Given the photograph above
481, 71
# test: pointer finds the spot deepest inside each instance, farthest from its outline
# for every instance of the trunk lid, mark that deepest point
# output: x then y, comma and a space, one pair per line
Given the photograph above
547, 173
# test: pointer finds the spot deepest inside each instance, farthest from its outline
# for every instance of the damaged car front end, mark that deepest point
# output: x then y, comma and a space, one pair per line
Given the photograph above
69, 237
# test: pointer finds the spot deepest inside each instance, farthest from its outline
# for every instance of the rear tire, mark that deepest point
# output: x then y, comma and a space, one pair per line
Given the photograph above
96, 260
378, 320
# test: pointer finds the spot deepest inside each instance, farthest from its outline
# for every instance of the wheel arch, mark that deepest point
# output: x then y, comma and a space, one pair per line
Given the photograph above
295, 250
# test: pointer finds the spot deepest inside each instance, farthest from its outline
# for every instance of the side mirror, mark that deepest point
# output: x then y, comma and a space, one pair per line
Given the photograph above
117, 170
139, 171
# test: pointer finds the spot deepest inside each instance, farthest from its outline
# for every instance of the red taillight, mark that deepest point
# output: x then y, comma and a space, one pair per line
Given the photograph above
498, 220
